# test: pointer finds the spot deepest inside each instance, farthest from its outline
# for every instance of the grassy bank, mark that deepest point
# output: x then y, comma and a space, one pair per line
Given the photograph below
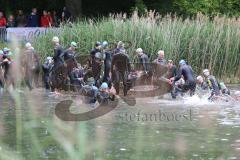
204, 43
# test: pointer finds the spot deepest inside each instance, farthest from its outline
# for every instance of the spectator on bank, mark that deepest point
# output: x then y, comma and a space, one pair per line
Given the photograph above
55, 18
3, 21
20, 19
50, 17
66, 15
11, 21
46, 20
33, 19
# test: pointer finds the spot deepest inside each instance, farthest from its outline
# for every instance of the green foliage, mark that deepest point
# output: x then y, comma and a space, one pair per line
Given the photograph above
140, 7
161, 6
208, 7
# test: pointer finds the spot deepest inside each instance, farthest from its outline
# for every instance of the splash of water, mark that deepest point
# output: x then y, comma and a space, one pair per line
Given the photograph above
197, 101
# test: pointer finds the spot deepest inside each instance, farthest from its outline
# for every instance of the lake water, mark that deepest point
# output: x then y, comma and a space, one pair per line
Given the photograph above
154, 128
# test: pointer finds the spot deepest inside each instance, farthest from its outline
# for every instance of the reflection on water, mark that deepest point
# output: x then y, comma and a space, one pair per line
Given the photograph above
155, 128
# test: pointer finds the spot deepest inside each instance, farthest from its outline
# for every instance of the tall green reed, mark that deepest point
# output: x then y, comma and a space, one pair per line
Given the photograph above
203, 42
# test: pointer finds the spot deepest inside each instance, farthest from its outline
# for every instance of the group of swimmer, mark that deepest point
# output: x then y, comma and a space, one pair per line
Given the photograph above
106, 67
183, 79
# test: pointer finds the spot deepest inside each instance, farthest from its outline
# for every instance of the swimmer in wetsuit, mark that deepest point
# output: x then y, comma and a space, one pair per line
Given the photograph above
188, 76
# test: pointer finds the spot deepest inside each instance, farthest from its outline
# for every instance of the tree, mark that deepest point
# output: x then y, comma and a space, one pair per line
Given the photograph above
208, 7
140, 6
161, 6
74, 7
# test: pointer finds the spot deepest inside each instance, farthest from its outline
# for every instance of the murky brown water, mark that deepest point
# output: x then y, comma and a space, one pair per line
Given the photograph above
154, 128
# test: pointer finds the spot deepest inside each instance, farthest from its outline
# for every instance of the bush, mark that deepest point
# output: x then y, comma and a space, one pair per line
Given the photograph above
140, 7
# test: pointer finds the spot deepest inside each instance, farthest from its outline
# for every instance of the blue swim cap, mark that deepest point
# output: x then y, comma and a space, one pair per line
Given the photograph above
104, 85
182, 62
6, 49
105, 43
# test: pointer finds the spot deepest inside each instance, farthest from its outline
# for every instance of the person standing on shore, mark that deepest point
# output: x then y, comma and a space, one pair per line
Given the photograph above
65, 16
11, 21
3, 21
20, 19
45, 20
33, 19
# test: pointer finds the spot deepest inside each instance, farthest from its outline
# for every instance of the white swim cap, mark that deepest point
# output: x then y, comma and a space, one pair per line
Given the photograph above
199, 78
49, 58
139, 50
28, 45
55, 39
206, 72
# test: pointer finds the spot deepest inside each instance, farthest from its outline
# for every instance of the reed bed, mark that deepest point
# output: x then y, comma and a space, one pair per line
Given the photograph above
203, 42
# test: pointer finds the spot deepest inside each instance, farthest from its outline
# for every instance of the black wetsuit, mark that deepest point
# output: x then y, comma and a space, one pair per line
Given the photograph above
5, 66
58, 51
58, 59
74, 78
146, 68
204, 86
159, 67
160, 61
46, 67
1, 84
69, 59
107, 66
68, 54
103, 98
144, 60
96, 69
120, 69
1, 74
224, 89
188, 75
89, 92
58, 68
36, 69
95, 64
118, 50
172, 72
213, 85
94, 51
